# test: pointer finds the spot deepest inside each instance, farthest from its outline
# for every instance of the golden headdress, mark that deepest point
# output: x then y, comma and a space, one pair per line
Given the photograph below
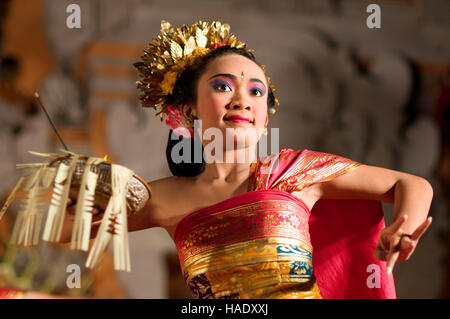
167, 56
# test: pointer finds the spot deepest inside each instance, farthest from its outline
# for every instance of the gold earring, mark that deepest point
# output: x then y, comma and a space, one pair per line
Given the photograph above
265, 131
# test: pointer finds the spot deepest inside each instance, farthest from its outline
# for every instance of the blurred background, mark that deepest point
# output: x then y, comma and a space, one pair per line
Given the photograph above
379, 96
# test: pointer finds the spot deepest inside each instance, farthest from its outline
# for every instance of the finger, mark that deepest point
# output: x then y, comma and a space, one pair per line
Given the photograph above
398, 223
407, 247
384, 240
391, 260
380, 254
384, 246
392, 256
411, 250
421, 229
69, 201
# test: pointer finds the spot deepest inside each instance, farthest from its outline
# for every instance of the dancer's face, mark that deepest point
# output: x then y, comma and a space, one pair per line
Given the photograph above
233, 86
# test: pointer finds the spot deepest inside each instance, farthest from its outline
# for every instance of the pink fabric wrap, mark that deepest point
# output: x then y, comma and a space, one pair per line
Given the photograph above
344, 233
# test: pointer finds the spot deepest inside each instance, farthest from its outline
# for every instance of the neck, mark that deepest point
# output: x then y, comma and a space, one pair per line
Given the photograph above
235, 166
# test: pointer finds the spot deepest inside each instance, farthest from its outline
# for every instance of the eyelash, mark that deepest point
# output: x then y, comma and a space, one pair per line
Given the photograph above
218, 84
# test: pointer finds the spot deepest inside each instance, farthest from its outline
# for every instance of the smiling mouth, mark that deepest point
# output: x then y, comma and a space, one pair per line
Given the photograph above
238, 119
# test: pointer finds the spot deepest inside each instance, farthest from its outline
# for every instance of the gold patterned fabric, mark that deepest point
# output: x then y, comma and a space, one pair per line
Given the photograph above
257, 244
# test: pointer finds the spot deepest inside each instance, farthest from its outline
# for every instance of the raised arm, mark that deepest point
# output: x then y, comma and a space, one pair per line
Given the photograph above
410, 194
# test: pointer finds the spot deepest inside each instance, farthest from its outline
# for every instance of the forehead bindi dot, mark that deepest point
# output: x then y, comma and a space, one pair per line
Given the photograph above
242, 75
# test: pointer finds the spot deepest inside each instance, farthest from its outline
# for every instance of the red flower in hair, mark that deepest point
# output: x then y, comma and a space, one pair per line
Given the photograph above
219, 45
175, 120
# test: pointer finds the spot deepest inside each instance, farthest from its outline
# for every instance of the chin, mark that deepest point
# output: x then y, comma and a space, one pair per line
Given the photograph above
242, 141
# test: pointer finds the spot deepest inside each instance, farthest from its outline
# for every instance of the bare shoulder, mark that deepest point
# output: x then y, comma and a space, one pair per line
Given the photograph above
165, 188
161, 183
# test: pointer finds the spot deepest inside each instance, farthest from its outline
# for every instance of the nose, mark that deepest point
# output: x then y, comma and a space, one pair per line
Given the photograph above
239, 106
239, 102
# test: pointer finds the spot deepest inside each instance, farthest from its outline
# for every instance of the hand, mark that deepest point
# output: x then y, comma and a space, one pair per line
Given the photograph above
394, 245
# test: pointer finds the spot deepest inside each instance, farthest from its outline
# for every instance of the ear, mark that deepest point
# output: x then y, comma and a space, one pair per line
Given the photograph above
193, 111
187, 110
267, 120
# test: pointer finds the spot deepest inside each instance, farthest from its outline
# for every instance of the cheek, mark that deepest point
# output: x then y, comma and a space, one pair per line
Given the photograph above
210, 107
261, 114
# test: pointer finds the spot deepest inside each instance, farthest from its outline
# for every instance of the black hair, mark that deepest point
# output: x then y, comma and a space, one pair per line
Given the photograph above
185, 169
185, 93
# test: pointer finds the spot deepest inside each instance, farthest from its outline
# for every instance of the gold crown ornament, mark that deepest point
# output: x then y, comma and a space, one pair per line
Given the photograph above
167, 56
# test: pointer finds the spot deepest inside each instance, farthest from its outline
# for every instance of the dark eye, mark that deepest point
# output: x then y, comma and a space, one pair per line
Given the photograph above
257, 91
221, 86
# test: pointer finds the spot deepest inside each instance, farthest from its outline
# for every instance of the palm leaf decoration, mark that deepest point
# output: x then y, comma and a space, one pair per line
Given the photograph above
114, 223
83, 214
27, 225
56, 212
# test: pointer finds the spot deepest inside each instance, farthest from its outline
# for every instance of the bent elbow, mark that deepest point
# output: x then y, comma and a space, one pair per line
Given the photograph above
426, 187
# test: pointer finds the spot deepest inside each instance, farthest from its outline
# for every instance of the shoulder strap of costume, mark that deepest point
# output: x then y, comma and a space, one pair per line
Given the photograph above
291, 170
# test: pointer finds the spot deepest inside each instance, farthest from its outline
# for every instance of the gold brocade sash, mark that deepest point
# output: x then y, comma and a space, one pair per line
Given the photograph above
250, 245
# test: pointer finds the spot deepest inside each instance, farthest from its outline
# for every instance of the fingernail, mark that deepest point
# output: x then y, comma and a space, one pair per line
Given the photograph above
389, 270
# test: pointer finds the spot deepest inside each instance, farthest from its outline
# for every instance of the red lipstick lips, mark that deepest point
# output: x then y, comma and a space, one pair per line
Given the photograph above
238, 119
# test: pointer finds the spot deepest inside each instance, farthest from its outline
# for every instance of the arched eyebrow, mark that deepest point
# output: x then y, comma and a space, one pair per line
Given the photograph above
227, 75
257, 80
233, 77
